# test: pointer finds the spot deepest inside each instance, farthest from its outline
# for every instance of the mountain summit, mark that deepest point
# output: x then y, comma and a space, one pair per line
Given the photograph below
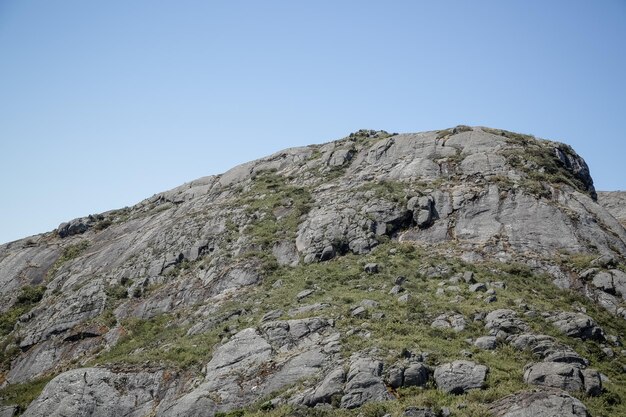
464, 272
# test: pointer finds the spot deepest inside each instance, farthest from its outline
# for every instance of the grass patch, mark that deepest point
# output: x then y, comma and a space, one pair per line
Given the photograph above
21, 395
28, 297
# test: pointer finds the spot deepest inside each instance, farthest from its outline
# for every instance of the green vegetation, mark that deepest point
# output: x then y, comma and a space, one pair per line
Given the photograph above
342, 284
28, 297
363, 136
446, 133
21, 395
161, 340
69, 252
277, 207
390, 190
539, 161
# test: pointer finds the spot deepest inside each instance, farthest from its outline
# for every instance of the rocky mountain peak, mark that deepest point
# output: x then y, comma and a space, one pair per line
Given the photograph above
370, 273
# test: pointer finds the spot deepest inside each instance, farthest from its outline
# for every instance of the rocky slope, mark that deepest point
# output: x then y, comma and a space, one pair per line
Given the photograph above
468, 271
615, 203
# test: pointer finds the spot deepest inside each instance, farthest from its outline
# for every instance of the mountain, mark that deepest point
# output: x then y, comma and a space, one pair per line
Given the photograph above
466, 272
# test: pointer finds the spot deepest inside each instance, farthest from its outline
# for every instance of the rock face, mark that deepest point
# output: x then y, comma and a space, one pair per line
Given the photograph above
364, 383
615, 203
539, 404
460, 376
100, 392
306, 278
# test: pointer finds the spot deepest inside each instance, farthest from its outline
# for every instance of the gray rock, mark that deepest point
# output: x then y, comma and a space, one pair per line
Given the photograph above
395, 379
304, 293
96, 392
560, 375
371, 268
364, 383
468, 277
486, 342
612, 282
74, 227
404, 298
400, 280
478, 287
577, 325
503, 323
460, 376
452, 321
491, 299
327, 253
8, 411
331, 386
286, 253
272, 315
539, 404
359, 312
416, 375
615, 203
592, 382
396, 290
368, 303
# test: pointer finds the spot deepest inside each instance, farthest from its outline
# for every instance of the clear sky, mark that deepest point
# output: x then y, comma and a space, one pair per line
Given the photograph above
104, 103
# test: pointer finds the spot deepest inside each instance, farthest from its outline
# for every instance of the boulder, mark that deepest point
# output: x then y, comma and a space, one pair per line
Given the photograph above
479, 286
452, 321
503, 323
565, 376
331, 385
486, 342
416, 375
364, 383
577, 325
539, 403
460, 376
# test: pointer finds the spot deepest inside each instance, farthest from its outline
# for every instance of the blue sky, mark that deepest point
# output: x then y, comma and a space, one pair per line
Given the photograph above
105, 103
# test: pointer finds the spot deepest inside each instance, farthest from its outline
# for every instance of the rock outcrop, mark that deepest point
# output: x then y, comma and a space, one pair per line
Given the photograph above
329, 276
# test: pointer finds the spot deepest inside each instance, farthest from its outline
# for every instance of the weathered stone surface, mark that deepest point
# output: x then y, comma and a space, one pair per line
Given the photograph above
615, 203
280, 355
478, 287
486, 342
547, 348
592, 382
560, 375
577, 325
612, 282
8, 411
286, 253
460, 376
503, 323
99, 392
452, 321
74, 227
364, 383
332, 385
416, 374
190, 250
544, 403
